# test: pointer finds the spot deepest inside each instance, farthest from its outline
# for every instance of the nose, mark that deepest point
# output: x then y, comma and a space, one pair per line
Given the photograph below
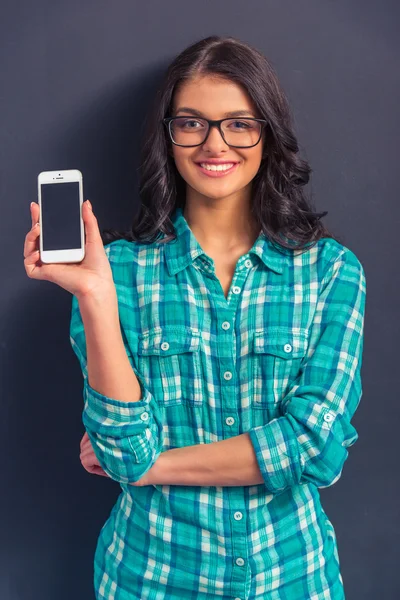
214, 142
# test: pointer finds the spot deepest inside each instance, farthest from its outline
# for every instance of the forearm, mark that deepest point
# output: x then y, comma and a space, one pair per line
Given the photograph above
109, 370
229, 462
122, 418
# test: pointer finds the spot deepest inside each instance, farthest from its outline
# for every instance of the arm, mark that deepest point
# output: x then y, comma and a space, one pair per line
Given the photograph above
226, 463
121, 416
309, 441
109, 371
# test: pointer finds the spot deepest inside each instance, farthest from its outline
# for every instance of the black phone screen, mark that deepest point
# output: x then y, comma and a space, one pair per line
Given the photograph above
60, 216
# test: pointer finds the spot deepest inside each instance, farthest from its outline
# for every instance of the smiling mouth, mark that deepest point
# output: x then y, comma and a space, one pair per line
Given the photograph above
216, 172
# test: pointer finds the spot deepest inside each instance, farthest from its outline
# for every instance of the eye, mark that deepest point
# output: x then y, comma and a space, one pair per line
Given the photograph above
186, 123
243, 124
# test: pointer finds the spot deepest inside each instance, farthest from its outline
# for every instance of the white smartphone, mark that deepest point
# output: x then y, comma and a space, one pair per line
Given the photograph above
62, 231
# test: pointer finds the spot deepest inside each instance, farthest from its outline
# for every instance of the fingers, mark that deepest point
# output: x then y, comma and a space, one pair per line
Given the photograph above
85, 437
84, 440
31, 251
35, 212
100, 471
86, 445
95, 470
91, 225
90, 462
87, 451
88, 458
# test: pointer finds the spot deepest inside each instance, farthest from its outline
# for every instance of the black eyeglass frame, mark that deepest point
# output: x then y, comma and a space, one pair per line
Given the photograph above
212, 123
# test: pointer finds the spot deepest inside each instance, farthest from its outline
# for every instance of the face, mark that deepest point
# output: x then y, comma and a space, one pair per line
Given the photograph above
214, 98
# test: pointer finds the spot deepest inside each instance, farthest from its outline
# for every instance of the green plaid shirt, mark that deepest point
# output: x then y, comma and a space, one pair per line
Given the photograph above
279, 358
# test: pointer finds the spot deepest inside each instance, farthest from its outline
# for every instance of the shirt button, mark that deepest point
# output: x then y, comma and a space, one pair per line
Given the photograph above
164, 346
227, 375
248, 263
225, 325
229, 420
238, 515
328, 417
236, 289
287, 348
144, 416
240, 562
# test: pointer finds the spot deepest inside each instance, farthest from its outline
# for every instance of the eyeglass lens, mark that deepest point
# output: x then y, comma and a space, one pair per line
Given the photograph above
187, 131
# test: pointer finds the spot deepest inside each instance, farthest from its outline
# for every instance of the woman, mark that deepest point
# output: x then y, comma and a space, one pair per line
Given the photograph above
220, 342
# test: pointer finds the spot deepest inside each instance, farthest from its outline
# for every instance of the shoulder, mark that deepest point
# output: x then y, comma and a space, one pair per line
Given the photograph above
119, 249
337, 259
122, 250
132, 264
124, 254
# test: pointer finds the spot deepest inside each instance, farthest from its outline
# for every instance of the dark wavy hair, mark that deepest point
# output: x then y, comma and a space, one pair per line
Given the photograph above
278, 200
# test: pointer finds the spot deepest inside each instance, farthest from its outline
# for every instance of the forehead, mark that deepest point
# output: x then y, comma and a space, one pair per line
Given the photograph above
212, 96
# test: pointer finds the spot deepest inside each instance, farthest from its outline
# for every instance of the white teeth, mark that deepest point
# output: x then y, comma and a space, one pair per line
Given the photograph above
210, 167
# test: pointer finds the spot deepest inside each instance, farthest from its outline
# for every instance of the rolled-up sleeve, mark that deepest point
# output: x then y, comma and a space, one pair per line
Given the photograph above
310, 441
126, 436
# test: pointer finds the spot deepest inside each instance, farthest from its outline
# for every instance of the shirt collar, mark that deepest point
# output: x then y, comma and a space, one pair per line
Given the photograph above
185, 248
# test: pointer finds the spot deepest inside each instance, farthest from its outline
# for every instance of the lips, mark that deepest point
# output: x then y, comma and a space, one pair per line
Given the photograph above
210, 173
216, 162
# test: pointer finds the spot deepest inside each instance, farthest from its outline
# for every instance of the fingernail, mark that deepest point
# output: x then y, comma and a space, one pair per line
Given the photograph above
89, 204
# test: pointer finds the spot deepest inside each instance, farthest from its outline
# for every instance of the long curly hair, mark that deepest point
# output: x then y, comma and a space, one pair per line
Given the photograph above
278, 199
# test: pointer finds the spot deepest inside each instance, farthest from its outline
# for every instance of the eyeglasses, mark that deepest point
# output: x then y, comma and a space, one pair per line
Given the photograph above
193, 131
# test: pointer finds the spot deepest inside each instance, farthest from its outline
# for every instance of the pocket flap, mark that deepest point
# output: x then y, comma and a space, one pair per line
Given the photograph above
164, 341
285, 342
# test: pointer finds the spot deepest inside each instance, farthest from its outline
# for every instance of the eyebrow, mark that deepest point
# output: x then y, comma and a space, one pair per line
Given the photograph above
233, 113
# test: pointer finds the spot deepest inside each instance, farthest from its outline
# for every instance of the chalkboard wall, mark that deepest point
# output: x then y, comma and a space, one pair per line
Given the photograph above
76, 81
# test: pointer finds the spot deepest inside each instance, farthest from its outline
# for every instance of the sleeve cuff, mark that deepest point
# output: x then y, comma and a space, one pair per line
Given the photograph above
277, 454
117, 418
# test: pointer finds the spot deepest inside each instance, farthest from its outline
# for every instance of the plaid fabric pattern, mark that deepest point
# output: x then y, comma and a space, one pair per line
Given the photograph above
279, 358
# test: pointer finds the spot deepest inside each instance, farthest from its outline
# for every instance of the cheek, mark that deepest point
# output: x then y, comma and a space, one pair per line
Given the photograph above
252, 164
251, 160
182, 163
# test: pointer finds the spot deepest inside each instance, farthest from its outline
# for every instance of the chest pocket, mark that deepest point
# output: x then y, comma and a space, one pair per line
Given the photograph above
169, 361
277, 353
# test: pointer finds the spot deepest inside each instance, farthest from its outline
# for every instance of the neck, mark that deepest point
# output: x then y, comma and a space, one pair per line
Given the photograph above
222, 228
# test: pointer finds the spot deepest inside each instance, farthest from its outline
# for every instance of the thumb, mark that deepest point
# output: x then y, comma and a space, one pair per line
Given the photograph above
91, 225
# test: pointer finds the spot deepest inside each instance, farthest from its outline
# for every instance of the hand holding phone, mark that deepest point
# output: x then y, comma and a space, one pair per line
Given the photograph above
92, 275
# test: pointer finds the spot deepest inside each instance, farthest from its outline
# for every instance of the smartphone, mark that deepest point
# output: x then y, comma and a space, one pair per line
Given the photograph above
62, 231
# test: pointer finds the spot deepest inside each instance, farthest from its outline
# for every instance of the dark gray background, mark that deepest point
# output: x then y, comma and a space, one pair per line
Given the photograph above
76, 78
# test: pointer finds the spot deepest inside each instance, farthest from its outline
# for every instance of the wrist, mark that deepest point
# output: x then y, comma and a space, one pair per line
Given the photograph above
159, 474
171, 467
100, 300
100, 315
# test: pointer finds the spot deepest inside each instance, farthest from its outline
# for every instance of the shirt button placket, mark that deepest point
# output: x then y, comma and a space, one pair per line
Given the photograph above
240, 571
230, 424
226, 347
227, 364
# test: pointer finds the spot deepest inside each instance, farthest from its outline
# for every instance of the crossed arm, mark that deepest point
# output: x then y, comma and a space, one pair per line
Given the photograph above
308, 442
225, 463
